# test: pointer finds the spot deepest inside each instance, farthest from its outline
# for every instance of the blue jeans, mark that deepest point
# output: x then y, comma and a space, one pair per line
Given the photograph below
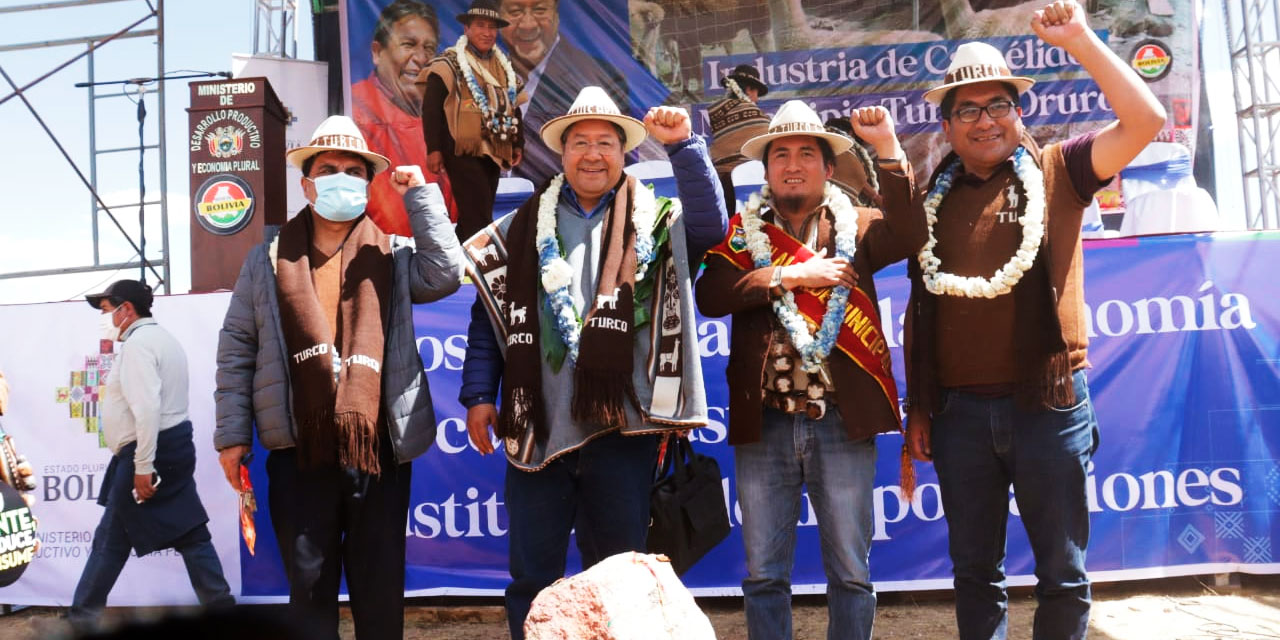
981, 445
793, 453
601, 488
111, 549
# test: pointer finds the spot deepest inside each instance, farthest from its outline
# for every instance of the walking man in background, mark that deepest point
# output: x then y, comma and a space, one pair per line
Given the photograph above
149, 488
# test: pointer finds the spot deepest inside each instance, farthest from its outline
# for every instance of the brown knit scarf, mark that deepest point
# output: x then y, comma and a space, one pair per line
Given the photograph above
603, 371
338, 415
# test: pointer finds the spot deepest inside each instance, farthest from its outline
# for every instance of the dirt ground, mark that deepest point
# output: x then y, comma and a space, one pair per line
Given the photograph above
1169, 609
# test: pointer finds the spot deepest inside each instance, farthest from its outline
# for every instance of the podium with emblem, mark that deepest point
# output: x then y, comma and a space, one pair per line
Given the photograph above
236, 142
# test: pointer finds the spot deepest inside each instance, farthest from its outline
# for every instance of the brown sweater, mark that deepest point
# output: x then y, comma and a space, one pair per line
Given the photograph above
1010, 341
725, 289
451, 119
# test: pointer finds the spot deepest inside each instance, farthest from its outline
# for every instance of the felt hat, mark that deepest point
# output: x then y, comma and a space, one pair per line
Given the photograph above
593, 103
976, 62
337, 133
795, 118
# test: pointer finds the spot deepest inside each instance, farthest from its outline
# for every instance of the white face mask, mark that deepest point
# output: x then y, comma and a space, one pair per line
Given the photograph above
107, 326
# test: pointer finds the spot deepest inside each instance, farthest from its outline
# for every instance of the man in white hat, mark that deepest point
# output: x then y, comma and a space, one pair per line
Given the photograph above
470, 115
584, 314
807, 402
997, 394
317, 355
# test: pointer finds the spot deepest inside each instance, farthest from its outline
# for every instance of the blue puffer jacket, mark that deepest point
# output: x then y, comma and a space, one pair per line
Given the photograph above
705, 225
253, 379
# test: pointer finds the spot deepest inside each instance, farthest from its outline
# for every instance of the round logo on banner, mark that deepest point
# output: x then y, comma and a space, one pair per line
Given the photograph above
17, 535
224, 204
1152, 60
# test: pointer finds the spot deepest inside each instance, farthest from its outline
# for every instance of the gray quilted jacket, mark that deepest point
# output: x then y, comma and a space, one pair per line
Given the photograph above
253, 380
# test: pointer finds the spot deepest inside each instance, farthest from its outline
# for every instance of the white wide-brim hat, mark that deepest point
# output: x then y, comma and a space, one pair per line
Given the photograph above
337, 133
795, 118
976, 62
593, 103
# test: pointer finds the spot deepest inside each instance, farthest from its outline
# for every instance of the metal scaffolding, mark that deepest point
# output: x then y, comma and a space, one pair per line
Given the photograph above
275, 28
147, 21
1253, 33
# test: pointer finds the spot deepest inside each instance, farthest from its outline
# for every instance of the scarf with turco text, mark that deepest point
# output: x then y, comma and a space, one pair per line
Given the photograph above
336, 380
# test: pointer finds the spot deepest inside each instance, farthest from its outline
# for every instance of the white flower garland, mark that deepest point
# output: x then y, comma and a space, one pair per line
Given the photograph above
557, 275
732, 86
1003, 280
505, 125
814, 348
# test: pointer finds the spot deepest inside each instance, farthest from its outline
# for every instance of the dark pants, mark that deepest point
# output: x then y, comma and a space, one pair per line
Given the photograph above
981, 446
111, 549
331, 519
602, 488
475, 186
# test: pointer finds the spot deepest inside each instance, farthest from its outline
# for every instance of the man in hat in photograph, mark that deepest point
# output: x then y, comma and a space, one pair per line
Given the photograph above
149, 488
735, 118
318, 357
584, 319
808, 363
997, 394
471, 115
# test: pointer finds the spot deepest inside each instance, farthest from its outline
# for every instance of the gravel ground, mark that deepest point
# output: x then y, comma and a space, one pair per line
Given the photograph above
1169, 609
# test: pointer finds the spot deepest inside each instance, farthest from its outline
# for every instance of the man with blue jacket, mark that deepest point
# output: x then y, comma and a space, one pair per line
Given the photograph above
317, 352
584, 314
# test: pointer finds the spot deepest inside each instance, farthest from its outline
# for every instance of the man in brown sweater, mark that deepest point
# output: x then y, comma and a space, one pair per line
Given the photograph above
806, 402
470, 116
997, 394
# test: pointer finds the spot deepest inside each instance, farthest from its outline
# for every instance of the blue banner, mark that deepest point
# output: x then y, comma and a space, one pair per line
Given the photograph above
1185, 343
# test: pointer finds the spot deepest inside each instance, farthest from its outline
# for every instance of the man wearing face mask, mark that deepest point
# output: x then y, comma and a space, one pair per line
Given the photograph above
317, 355
387, 105
145, 424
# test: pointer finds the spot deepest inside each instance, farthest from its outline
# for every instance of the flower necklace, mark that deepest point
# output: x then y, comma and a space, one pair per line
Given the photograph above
557, 275
502, 126
732, 86
813, 348
1002, 281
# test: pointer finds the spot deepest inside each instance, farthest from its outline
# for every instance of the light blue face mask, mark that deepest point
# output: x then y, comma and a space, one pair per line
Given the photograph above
340, 197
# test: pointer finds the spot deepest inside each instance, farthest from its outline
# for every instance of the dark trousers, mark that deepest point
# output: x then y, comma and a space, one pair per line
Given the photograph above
111, 549
331, 519
475, 186
981, 445
602, 489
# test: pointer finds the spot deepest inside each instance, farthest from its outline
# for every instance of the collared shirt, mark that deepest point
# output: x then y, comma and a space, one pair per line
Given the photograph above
535, 75
570, 196
476, 52
146, 391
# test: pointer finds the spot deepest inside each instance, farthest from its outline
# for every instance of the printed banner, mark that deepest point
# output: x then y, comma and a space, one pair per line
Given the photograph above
1185, 343
837, 55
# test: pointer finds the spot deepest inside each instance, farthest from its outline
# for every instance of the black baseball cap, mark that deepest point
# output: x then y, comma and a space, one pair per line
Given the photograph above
124, 291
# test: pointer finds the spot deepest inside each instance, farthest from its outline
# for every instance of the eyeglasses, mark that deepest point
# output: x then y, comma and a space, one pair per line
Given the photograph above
996, 110
602, 147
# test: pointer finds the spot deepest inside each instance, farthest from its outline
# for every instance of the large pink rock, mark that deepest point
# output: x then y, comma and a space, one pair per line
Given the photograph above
630, 596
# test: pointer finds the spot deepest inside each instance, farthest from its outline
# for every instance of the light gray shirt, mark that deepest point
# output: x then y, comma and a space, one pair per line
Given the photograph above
146, 391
